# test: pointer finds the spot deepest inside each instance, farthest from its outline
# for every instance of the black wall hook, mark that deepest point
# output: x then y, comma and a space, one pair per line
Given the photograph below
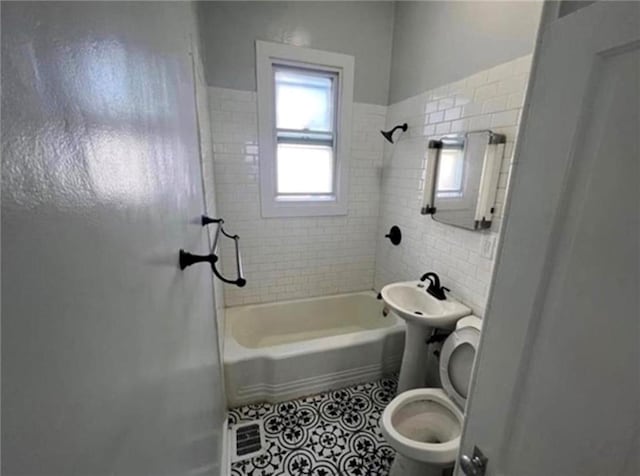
394, 235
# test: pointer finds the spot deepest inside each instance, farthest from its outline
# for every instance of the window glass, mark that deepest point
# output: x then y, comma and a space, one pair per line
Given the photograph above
304, 100
304, 169
305, 138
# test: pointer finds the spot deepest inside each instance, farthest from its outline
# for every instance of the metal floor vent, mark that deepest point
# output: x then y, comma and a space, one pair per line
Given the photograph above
248, 440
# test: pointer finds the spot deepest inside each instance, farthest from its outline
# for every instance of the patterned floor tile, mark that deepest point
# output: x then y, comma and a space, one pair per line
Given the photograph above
334, 433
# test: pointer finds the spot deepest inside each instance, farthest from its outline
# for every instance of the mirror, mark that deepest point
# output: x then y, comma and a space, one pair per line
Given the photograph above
462, 179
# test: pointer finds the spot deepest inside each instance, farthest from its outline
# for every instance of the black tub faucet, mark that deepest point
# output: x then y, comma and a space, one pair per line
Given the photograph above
435, 289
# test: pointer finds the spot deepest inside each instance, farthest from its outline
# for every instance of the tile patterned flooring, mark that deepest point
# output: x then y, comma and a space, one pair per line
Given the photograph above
334, 433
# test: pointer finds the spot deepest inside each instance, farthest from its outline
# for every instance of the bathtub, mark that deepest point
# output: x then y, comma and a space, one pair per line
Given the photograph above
284, 350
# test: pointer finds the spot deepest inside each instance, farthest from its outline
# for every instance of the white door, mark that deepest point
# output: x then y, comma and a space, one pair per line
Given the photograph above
110, 363
556, 389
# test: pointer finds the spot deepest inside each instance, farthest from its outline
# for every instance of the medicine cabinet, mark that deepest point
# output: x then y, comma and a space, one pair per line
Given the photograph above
462, 178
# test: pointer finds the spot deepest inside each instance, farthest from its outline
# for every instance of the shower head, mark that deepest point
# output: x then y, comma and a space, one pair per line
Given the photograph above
389, 134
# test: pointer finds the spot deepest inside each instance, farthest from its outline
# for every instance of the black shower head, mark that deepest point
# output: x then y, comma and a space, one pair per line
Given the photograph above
389, 134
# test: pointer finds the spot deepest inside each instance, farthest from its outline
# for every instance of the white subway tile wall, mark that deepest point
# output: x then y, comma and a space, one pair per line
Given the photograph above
463, 259
289, 258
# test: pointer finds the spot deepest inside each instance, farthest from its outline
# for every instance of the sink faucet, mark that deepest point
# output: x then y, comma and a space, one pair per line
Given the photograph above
435, 289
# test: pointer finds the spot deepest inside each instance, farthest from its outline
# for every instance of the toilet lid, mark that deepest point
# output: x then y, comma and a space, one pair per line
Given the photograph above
456, 363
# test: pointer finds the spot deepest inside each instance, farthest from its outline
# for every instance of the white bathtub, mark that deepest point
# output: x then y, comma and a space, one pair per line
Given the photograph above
278, 351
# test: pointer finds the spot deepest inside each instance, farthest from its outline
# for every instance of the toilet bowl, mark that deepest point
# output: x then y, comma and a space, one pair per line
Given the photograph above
424, 425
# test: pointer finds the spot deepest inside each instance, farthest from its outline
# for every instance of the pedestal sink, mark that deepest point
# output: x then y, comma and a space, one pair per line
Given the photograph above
422, 313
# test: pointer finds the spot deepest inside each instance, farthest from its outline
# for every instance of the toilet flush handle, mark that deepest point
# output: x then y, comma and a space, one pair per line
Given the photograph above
474, 466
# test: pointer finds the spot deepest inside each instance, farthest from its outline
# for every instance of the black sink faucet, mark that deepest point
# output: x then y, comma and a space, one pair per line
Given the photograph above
434, 288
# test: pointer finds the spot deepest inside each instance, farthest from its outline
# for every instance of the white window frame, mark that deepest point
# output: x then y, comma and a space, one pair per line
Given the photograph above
269, 55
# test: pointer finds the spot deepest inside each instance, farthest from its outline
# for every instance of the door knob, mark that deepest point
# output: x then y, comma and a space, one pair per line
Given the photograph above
475, 465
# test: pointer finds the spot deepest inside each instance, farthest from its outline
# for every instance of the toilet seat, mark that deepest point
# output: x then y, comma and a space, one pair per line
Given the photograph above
444, 412
456, 362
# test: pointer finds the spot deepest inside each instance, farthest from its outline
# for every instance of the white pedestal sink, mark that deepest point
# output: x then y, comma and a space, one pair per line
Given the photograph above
422, 313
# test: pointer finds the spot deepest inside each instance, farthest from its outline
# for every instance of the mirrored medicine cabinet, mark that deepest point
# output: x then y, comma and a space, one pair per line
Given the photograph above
461, 179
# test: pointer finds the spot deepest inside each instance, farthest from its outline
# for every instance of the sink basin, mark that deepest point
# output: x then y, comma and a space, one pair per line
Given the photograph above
422, 313
410, 301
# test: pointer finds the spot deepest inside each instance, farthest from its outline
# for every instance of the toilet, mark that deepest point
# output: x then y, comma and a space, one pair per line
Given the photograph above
424, 425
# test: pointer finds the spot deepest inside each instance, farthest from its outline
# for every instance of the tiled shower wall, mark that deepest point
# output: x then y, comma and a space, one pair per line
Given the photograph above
490, 99
288, 258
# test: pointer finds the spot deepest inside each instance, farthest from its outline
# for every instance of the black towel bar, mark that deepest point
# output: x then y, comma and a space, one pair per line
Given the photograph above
187, 259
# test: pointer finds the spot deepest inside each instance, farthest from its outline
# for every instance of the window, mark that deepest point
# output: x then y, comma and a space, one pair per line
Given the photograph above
304, 111
305, 104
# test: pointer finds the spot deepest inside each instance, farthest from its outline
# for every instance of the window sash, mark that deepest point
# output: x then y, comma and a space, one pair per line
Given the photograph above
307, 136
311, 196
309, 71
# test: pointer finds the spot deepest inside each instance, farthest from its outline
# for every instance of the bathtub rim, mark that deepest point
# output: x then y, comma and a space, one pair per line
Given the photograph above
236, 352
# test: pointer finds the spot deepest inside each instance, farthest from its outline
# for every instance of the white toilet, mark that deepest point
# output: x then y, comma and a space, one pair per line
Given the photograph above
424, 425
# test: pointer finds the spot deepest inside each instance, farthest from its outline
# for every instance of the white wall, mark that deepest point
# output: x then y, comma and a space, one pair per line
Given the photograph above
492, 99
286, 258
359, 29
439, 42
109, 356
